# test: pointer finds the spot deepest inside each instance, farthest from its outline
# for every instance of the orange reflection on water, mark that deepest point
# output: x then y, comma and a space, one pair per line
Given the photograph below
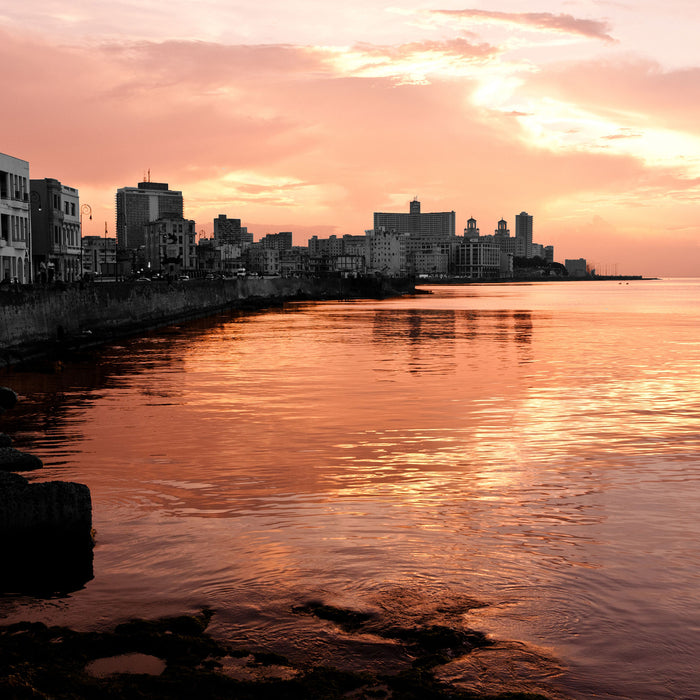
531, 444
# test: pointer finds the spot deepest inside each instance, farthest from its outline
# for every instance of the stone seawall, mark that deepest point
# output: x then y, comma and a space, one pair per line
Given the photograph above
32, 321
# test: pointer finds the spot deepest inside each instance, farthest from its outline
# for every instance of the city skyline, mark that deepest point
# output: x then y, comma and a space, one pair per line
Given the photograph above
581, 112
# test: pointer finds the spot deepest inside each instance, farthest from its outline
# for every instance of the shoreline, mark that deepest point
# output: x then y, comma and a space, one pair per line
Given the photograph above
51, 324
521, 280
174, 657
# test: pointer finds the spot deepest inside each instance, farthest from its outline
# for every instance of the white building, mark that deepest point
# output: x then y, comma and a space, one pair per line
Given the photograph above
15, 227
387, 252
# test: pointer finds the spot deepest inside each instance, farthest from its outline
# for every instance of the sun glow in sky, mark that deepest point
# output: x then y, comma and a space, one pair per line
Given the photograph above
309, 116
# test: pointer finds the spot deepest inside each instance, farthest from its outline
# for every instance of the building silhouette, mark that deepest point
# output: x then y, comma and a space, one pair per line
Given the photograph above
230, 232
137, 206
436, 225
99, 255
523, 232
56, 242
170, 245
15, 226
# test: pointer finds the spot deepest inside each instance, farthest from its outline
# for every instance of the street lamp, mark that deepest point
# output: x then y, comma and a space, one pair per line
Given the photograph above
84, 209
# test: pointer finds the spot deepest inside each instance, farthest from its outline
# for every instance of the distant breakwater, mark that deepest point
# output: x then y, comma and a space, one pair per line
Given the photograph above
46, 322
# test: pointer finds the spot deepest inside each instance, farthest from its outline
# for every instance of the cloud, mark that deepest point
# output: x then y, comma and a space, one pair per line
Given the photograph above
622, 134
319, 137
543, 21
637, 88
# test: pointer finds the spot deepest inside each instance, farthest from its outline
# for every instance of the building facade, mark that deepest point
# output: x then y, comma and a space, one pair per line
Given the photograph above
477, 258
15, 223
262, 261
576, 268
387, 253
230, 231
137, 206
278, 241
56, 241
99, 255
170, 246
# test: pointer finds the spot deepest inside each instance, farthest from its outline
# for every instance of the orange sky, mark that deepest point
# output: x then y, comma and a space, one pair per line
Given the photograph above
303, 116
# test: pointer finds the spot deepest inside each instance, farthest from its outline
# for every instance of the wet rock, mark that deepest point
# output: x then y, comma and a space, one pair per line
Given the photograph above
143, 664
8, 399
12, 460
46, 531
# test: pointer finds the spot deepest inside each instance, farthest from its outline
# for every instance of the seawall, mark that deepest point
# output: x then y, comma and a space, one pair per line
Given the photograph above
40, 321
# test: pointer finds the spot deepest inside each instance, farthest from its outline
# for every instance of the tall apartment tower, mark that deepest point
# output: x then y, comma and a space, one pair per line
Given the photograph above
523, 232
137, 206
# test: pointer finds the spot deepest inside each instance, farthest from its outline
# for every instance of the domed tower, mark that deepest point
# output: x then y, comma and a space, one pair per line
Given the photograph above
502, 230
471, 231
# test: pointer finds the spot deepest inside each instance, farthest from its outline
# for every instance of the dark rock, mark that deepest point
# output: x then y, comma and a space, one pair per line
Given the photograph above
8, 399
46, 531
12, 460
5, 440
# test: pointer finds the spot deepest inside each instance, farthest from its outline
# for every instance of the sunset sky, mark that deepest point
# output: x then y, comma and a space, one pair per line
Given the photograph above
307, 115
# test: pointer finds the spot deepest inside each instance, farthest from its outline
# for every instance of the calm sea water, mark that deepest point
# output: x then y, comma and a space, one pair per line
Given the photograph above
534, 446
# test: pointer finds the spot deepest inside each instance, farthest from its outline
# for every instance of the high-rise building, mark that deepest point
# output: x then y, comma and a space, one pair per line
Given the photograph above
430, 224
15, 228
230, 232
137, 206
523, 232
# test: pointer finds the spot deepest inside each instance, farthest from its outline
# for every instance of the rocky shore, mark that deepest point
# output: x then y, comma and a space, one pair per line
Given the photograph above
45, 528
176, 658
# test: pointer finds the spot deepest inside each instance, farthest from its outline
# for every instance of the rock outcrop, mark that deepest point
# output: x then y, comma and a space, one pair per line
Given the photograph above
12, 460
45, 527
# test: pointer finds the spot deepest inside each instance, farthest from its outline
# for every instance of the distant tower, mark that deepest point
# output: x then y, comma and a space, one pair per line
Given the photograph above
502, 231
523, 232
414, 207
471, 231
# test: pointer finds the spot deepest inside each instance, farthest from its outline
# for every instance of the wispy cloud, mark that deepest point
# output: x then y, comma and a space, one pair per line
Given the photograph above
414, 62
543, 21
